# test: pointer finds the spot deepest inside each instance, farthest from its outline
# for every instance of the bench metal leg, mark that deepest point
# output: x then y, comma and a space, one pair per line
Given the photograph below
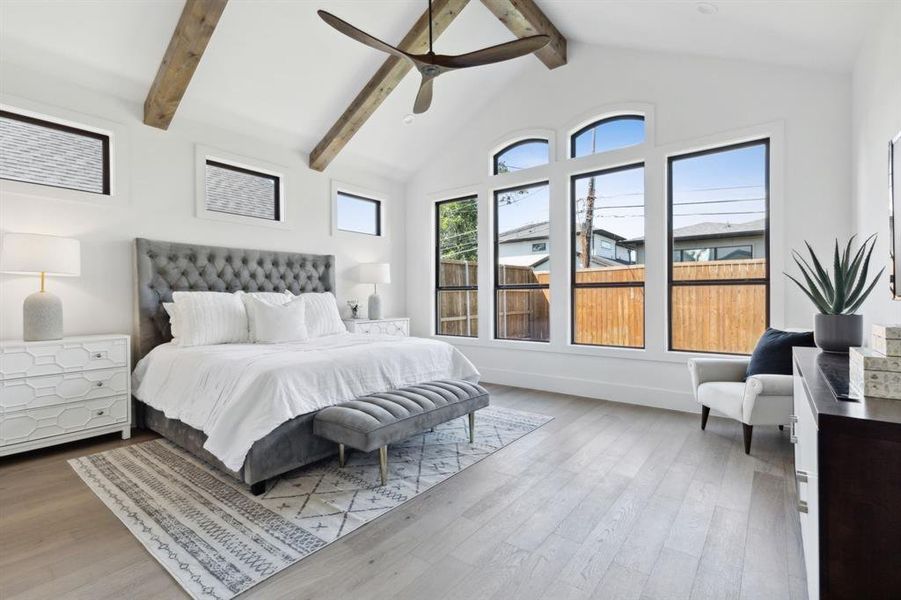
383, 464
258, 488
341, 456
472, 427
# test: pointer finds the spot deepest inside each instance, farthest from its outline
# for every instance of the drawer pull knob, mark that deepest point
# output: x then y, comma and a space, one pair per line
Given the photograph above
100, 413
99, 384
98, 355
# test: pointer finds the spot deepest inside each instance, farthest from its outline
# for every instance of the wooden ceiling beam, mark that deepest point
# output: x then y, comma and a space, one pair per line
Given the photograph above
189, 40
524, 18
388, 76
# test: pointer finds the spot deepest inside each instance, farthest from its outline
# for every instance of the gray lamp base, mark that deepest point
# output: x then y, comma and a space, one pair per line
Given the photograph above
375, 307
42, 317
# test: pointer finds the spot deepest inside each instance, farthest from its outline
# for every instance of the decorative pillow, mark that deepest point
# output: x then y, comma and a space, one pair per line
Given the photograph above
773, 353
322, 315
271, 297
272, 322
206, 318
173, 320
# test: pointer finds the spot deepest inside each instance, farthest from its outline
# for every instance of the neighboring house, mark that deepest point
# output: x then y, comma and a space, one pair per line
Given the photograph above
713, 241
530, 245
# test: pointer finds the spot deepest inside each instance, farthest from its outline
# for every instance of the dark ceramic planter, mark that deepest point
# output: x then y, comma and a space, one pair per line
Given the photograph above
838, 333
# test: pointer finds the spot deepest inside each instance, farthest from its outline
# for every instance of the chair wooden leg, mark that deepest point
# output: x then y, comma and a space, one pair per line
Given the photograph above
258, 488
383, 464
705, 412
746, 431
342, 456
472, 427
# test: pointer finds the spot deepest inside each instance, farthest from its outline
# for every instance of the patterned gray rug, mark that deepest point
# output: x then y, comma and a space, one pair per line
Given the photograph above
218, 540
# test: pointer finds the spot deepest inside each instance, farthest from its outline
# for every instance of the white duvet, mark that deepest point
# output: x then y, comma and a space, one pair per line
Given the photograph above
238, 393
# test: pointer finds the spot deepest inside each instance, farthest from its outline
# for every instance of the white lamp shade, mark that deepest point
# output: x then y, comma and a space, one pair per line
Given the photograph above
375, 273
28, 253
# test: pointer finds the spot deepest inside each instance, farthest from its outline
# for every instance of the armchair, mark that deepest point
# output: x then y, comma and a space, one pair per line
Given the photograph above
720, 384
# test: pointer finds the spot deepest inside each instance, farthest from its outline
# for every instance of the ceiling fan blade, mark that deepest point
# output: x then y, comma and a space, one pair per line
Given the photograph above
495, 54
424, 97
360, 36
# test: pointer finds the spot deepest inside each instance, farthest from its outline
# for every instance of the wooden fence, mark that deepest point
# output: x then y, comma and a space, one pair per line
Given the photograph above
713, 318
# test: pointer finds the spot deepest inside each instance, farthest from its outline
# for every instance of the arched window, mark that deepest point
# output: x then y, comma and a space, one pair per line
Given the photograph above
607, 134
520, 155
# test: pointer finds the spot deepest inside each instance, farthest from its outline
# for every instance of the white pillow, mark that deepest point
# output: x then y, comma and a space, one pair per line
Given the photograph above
206, 318
272, 322
271, 297
322, 315
173, 320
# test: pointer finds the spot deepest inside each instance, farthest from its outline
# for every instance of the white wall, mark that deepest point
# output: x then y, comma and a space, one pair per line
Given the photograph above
876, 100
692, 103
155, 181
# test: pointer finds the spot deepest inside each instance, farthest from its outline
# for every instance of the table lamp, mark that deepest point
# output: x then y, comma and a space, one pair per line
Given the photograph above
33, 254
375, 273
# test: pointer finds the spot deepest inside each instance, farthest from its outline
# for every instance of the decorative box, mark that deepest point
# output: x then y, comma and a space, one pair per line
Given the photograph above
886, 339
874, 374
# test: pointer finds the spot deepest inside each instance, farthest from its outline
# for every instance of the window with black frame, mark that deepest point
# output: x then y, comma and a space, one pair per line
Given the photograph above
607, 220
520, 155
457, 267
719, 248
47, 153
611, 133
522, 272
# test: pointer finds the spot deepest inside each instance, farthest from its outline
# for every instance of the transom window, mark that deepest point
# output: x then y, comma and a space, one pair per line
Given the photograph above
607, 134
607, 221
243, 192
457, 268
47, 153
523, 154
522, 275
359, 214
718, 248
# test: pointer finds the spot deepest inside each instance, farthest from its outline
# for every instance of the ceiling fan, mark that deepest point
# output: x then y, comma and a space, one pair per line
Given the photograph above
431, 65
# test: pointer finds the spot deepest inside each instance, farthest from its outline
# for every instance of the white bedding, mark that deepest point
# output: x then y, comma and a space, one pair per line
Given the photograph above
238, 393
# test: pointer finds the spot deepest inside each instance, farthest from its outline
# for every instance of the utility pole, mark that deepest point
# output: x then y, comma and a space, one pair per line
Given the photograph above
588, 223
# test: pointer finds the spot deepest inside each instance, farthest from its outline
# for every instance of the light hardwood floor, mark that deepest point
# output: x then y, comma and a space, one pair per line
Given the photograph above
606, 501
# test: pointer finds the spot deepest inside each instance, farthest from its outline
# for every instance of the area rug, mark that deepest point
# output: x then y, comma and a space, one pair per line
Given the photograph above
218, 540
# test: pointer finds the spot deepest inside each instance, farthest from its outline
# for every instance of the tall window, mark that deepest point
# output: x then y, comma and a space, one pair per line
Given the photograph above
358, 214
522, 274
520, 155
239, 191
607, 221
457, 268
607, 134
719, 248
47, 153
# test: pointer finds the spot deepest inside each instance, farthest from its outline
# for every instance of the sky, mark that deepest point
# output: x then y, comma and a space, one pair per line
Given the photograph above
355, 214
727, 186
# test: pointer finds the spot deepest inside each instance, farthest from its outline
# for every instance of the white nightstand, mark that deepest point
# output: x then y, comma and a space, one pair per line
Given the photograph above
63, 390
399, 326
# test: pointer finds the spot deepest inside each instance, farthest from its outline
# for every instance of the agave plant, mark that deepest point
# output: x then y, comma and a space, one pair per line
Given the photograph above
845, 291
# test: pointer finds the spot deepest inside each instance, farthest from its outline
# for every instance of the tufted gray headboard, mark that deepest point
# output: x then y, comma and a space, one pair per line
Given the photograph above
166, 267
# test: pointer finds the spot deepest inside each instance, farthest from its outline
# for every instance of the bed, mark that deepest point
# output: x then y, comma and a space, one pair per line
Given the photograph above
248, 408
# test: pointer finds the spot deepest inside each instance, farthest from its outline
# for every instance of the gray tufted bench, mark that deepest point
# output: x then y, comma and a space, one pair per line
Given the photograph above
377, 420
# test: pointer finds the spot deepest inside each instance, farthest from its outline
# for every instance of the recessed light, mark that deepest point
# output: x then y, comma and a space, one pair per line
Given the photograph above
408, 119
706, 8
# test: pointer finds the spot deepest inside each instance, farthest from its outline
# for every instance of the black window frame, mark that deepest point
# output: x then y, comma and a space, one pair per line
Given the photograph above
496, 267
450, 288
277, 194
598, 123
516, 144
105, 150
765, 281
574, 271
378, 213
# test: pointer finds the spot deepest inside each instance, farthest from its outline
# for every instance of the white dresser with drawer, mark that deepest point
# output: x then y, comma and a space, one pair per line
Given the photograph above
397, 326
62, 390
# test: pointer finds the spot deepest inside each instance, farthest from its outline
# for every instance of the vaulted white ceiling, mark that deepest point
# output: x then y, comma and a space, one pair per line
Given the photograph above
273, 68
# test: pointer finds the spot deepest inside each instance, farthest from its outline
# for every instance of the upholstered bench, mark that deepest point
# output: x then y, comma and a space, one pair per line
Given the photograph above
377, 420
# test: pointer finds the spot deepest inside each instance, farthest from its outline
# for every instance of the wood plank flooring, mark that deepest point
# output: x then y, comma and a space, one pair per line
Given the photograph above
606, 501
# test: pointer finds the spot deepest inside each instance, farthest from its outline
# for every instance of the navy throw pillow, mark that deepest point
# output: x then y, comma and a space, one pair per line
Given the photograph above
773, 353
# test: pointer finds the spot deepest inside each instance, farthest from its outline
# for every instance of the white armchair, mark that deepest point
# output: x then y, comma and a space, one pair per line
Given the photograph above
719, 383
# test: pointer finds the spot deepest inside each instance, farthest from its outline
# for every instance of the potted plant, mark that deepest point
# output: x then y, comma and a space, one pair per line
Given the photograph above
837, 328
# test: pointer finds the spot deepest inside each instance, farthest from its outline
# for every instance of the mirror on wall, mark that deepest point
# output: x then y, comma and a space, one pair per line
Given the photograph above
894, 179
